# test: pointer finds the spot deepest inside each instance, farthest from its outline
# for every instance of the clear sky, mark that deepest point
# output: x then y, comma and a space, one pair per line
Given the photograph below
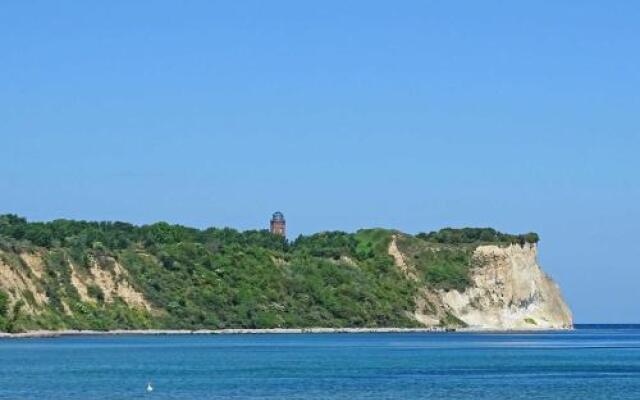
523, 116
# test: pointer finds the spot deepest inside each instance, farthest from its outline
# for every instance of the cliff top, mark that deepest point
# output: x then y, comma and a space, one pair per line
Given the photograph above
117, 235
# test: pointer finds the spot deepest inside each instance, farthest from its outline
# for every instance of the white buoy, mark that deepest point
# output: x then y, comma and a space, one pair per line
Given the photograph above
149, 387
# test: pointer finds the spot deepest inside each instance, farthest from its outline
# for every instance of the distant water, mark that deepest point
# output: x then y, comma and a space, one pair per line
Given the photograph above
592, 362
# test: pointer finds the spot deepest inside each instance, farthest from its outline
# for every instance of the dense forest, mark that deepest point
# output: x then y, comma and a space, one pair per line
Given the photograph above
221, 278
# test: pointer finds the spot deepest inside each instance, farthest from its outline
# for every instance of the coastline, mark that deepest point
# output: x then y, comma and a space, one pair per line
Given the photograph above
164, 332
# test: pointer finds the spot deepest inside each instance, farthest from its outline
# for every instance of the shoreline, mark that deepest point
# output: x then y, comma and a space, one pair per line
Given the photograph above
240, 331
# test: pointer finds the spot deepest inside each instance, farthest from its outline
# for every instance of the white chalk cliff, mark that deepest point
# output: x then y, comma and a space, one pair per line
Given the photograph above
508, 291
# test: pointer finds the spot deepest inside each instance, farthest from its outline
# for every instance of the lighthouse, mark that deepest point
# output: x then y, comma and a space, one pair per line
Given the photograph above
278, 224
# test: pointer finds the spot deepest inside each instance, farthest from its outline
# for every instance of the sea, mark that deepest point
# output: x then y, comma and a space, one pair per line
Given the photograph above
590, 362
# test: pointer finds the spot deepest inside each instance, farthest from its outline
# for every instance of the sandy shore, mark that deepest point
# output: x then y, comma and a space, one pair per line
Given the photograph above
158, 332
45, 333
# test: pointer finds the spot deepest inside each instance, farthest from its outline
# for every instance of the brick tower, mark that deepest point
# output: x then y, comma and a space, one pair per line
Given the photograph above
278, 224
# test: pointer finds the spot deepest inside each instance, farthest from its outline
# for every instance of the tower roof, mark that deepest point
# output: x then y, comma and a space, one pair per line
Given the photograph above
278, 216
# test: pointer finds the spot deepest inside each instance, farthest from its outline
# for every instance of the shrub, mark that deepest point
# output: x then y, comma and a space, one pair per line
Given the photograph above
476, 235
4, 304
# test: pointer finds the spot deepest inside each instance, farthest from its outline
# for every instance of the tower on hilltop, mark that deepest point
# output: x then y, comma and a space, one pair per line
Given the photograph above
278, 224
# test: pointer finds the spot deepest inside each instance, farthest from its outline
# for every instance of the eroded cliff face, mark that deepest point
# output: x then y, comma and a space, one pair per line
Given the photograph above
508, 291
23, 276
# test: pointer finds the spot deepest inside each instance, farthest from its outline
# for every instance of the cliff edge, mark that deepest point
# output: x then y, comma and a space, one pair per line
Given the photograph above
508, 291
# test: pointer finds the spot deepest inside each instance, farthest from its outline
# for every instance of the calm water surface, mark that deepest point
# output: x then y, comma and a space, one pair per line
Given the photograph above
589, 363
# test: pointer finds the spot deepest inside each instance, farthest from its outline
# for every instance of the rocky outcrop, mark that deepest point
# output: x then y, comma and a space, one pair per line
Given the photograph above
508, 291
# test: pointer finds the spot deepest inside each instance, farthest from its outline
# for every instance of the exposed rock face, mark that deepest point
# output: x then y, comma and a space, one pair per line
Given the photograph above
20, 282
509, 291
23, 279
113, 282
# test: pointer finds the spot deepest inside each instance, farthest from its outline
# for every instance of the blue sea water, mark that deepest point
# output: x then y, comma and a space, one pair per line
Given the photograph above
592, 362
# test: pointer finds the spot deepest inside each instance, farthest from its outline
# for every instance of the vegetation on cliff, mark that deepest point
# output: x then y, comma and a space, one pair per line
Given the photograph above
477, 236
220, 278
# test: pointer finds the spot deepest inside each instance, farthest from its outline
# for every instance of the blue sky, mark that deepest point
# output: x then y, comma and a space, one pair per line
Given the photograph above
523, 116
